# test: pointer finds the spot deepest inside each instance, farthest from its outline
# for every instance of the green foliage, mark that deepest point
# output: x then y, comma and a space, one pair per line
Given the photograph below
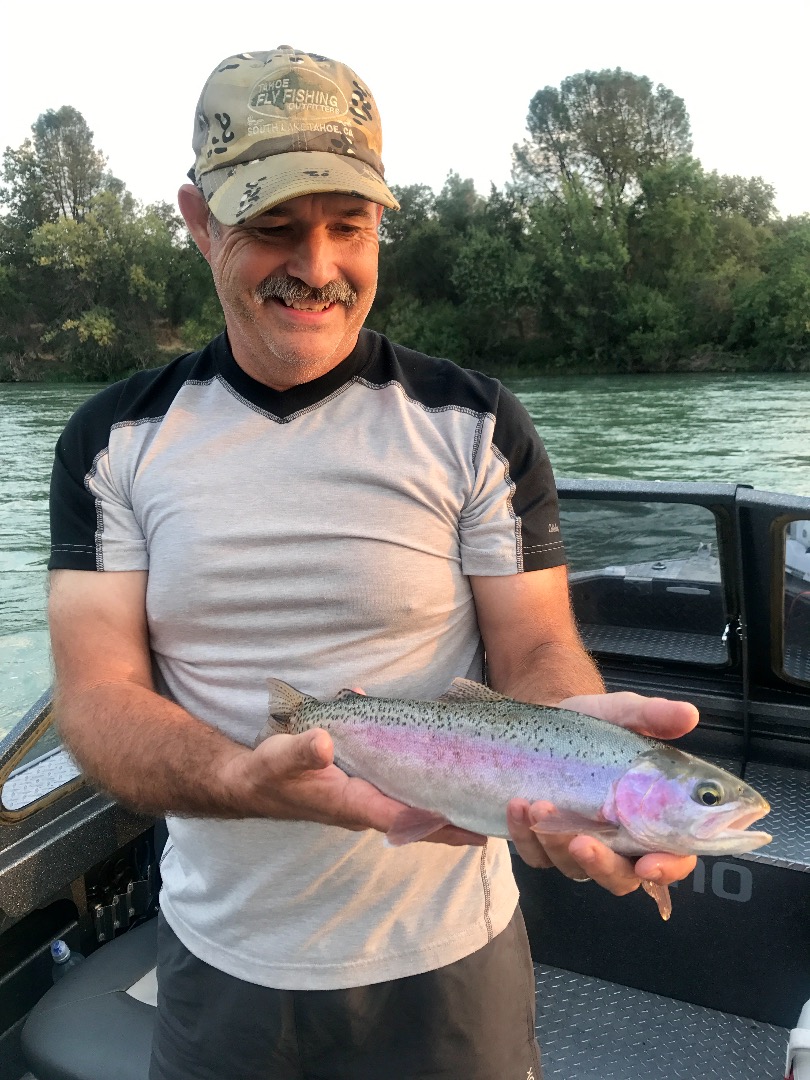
651, 329
91, 283
772, 311
436, 329
580, 265
198, 330
494, 280
614, 250
88, 345
687, 270
106, 278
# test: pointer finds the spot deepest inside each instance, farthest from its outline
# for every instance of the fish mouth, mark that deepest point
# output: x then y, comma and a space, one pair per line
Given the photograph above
731, 823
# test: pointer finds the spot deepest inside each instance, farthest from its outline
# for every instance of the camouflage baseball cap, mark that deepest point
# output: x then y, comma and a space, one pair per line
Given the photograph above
271, 126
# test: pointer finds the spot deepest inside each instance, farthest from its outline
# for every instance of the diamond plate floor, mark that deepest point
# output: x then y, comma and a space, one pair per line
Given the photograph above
788, 792
589, 1029
654, 644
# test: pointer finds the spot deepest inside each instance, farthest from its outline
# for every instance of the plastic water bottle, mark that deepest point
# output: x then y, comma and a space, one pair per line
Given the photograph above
798, 1056
63, 959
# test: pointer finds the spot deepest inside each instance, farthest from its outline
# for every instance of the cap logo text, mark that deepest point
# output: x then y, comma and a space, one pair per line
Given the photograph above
296, 94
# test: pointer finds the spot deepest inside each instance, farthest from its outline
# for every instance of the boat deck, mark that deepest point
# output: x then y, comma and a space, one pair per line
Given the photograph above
589, 1028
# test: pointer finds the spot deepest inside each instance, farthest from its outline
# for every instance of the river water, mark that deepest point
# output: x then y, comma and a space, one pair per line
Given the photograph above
749, 429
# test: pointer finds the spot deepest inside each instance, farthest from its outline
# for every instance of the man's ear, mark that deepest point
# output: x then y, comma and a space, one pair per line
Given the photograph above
196, 215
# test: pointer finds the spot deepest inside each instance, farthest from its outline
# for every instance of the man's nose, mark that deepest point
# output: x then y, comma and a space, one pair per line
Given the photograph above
312, 259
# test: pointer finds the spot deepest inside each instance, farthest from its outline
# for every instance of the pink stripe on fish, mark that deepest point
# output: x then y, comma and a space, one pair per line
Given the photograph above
449, 752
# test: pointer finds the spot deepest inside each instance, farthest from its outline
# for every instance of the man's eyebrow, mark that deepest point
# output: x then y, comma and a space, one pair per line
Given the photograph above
273, 212
356, 211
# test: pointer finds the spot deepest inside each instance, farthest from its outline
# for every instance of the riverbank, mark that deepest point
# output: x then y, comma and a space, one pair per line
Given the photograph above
49, 370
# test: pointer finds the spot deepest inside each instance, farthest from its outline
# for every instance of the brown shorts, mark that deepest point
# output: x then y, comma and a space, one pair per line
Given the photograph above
472, 1020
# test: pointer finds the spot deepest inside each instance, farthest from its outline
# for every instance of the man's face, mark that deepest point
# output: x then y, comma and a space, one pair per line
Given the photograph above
268, 272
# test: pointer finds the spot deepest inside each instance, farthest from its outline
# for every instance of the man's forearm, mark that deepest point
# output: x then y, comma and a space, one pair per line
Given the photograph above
150, 753
548, 674
154, 756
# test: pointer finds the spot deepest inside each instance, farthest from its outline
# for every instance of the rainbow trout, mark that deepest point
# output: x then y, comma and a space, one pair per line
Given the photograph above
461, 758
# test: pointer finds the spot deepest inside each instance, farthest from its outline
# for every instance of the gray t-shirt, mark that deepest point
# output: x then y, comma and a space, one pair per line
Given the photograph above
322, 535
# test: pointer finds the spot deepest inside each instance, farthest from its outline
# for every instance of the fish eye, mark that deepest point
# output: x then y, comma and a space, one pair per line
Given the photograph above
709, 793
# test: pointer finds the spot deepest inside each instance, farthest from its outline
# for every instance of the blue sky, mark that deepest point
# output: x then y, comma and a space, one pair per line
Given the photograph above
453, 80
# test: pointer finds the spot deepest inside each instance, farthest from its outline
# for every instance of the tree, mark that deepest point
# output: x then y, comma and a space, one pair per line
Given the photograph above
416, 204
748, 196
419, 250
772, 316
580, 269
695, 238
493, 275
92, 284
57, 173
106, 280
603, 127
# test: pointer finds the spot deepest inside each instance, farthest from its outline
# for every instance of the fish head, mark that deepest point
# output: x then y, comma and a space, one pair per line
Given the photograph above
671, 801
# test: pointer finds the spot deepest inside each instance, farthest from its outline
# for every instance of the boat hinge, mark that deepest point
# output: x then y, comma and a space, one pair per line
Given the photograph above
124, 908
736, 626
733, 626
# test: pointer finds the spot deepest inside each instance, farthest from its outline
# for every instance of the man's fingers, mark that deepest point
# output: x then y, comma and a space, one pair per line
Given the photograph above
584, 856
319, 751
613, 872
557, 846
289, 756
665, 869
526, 842
658, 717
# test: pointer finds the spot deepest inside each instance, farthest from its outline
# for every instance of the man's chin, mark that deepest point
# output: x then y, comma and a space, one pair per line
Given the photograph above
269, 348
303, 356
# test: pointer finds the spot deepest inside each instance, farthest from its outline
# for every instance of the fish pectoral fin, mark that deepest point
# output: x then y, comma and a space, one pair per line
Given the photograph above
661, 895
467, 690
414, 824
569, 821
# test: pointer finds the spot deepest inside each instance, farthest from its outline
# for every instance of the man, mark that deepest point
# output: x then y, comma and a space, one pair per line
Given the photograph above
304, 500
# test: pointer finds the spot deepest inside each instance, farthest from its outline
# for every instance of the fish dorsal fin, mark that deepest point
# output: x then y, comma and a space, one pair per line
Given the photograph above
283, 703
467, 690
344, 693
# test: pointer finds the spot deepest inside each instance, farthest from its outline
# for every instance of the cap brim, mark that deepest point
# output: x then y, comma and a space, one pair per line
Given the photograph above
239, 192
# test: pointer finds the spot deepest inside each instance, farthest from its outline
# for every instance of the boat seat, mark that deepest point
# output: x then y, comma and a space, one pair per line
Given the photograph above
96, 1023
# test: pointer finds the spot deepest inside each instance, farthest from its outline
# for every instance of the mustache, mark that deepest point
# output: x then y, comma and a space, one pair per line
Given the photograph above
295, 291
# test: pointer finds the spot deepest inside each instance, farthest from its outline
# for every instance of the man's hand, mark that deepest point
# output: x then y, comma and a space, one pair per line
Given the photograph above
582, 856
294, 777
